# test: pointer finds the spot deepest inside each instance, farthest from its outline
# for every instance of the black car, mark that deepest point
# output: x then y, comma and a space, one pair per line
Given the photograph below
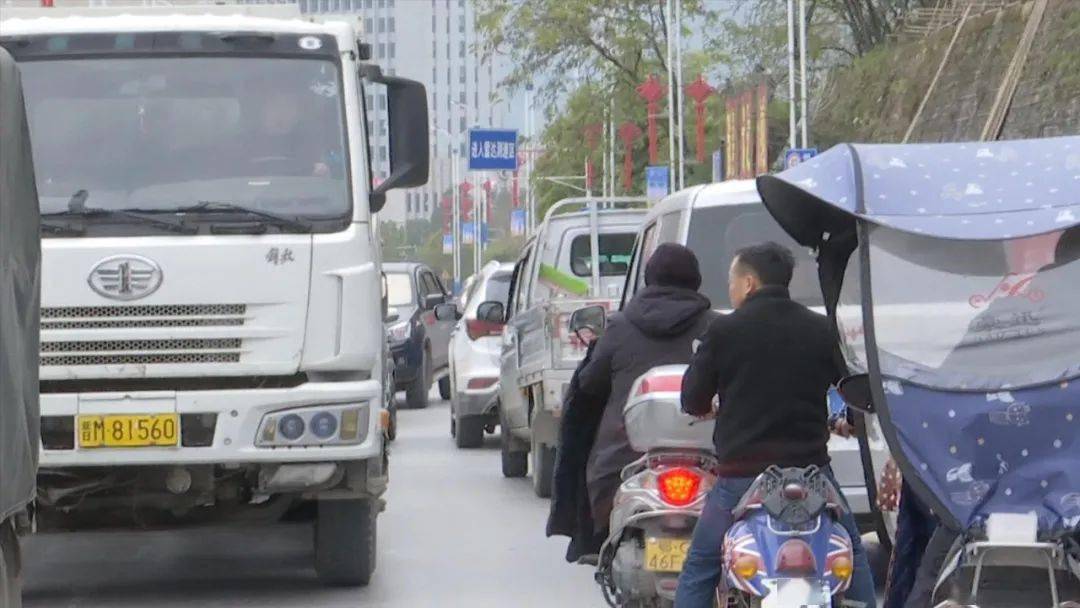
419, 342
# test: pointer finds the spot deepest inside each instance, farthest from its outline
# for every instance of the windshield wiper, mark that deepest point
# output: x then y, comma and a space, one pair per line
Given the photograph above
62, 229
76, 207
222, 207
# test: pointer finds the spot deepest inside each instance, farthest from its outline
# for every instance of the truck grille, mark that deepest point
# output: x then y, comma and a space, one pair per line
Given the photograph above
141, 351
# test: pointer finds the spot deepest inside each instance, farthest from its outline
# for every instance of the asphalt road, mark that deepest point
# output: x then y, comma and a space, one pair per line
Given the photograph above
455, 533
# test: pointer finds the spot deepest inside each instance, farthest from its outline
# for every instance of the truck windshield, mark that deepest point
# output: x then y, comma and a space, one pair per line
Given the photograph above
716, 233
614, 258
162, 133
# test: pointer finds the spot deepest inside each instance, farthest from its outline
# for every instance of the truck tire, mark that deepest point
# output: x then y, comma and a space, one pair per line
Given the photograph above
469, 432
543, 466
515, 463
444, 388
416, 393
345, 542
10, 566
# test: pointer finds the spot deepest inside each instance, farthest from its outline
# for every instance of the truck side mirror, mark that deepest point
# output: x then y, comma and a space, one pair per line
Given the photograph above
591, 319
447, 311
406, 104
433, 300
856, 393
491, 311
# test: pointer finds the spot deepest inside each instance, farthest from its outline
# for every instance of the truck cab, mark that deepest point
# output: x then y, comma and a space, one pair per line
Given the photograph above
212, 338
579, 256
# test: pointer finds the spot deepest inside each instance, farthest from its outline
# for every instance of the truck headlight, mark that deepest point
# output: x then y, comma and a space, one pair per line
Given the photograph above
399, 331
311, 426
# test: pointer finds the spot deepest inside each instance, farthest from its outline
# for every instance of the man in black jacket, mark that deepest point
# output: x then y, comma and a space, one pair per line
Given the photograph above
770, 363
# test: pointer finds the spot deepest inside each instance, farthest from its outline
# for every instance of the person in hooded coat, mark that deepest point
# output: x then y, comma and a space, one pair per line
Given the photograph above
656, 327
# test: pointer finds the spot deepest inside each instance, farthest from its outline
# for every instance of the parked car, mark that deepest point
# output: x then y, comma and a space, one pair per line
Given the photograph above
714, 221
419, 342
475, 345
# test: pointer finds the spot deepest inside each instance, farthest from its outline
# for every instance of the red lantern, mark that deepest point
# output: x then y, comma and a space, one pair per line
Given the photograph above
628, 132
700, 90
651, 91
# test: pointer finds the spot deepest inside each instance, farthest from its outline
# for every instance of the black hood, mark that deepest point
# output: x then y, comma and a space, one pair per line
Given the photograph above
665, 311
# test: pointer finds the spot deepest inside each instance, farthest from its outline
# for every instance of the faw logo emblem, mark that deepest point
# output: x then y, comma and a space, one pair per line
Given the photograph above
125, 277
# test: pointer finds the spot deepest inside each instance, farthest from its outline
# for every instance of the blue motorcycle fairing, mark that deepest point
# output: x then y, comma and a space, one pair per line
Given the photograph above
752, 535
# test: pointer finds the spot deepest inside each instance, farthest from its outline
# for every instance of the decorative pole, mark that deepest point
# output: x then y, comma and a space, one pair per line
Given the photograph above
628, 132
700, 90
651, 91
592, 134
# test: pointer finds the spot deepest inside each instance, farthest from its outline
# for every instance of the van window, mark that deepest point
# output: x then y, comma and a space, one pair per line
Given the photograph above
716, 233
614, 258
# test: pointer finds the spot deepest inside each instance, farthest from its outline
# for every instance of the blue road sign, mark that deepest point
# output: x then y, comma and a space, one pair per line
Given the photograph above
656, 183
492, 150
468, 233
448, 244
795, 156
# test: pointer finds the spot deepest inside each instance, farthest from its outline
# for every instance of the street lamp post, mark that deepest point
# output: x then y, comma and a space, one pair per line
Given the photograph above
455, 224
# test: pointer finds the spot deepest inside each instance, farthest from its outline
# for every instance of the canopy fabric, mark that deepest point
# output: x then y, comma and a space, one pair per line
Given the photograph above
20, 282
998, 452
972, 191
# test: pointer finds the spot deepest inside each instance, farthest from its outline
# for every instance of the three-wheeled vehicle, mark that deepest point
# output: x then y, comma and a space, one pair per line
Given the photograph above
20, 283
952, 272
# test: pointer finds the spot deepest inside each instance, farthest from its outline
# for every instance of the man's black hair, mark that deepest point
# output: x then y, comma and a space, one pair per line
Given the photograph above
771, 262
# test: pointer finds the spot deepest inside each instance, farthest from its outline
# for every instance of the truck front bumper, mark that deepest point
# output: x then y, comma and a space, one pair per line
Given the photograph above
236, 415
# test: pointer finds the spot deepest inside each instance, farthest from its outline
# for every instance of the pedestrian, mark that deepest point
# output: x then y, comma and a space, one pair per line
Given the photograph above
770, 363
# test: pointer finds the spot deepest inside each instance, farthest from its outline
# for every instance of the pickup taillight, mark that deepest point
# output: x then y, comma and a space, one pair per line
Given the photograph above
477, 329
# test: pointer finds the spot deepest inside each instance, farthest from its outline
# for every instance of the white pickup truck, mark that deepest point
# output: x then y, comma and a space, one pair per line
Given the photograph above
578, 257
212, 341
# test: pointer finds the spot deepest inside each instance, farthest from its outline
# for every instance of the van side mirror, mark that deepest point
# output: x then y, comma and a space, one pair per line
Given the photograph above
491, 311
407, 116
432, 300
588, 322
856, 393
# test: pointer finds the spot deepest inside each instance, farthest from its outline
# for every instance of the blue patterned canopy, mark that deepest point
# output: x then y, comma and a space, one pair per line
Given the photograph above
971, 191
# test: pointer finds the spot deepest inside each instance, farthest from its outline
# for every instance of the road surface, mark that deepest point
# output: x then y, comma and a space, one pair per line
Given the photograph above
455, 533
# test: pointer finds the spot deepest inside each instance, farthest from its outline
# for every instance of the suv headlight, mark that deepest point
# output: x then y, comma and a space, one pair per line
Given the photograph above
399, 331
315, 426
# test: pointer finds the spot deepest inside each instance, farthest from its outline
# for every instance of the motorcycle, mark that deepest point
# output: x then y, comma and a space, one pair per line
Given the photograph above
661, 496
952, 275
787, 547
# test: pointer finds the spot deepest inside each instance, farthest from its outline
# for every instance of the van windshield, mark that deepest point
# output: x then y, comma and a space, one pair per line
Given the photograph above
160, 133
716, 233
614, 257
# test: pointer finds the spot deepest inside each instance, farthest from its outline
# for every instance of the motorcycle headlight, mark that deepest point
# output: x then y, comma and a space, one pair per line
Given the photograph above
399, 331
314, 426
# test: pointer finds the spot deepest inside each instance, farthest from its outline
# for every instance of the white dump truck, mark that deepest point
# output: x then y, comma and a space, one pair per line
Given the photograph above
212, 340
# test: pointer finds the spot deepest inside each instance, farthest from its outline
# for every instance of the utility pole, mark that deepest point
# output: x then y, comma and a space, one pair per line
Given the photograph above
679, 97
671, 90
791, 72
802, 70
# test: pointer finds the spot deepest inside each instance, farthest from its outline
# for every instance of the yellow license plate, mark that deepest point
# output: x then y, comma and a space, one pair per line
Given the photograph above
666, 554
129, 431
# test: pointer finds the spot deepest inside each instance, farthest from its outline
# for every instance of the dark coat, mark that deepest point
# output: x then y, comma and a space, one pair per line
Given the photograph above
570, 514
657, 327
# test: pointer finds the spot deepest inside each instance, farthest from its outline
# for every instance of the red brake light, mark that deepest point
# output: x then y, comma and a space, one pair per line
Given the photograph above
479, 383
477, 329
678, 487
796, 558
660, 384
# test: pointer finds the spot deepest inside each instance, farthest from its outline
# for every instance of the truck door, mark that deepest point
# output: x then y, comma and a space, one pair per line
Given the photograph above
513, 402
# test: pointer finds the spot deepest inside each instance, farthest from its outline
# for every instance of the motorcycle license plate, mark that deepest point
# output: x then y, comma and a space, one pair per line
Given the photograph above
129, 431
665, 554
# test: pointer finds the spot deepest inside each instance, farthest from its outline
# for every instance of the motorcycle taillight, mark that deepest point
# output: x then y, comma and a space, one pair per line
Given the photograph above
795, 558
660, 384
678, 487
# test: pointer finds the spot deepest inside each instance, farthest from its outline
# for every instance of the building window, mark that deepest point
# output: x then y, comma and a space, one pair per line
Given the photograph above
476, 99
461, 97
462, 124
393, 50
367, 4
432, 23
368, 23
461, 24
391, 71
382, 101
434, 81
382, 25
382, 3
448, 50
461, 48
382, 126
382, 50
382, 152
390, 25
461, 75
390, 4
